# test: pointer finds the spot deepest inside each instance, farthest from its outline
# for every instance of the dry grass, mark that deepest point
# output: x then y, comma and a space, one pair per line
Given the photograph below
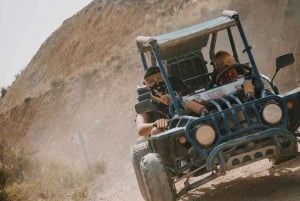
57, 82
25, 178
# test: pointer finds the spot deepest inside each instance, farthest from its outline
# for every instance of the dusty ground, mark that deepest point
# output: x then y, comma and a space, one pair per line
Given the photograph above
259, 182
83, 80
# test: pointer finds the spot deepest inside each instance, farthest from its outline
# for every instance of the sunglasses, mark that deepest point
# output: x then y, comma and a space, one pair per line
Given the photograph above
152, 79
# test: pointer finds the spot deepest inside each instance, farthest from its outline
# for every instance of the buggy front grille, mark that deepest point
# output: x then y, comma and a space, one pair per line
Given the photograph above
231, 119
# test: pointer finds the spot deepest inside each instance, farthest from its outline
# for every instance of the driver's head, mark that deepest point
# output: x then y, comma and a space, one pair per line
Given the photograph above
154, 80
223, 59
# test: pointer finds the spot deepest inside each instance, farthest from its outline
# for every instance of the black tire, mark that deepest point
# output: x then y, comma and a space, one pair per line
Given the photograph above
285, 157
138, 151
280, 159
142, 139
297, 129
297, 134
159, 184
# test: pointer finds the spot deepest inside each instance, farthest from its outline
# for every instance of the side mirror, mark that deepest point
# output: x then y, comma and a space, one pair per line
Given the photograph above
284, 60
145, 106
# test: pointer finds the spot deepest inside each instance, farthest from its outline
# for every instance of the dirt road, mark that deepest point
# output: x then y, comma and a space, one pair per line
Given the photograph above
256, 182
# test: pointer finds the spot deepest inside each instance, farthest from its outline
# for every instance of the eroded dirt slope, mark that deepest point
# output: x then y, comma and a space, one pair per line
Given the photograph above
82, 81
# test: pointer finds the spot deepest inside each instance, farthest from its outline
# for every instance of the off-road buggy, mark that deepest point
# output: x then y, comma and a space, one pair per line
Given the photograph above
232, 130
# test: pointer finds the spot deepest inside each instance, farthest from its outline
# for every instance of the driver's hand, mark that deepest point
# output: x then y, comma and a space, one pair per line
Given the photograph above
161, 124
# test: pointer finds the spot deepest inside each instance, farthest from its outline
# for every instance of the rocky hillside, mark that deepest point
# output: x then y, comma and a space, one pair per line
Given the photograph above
73, 104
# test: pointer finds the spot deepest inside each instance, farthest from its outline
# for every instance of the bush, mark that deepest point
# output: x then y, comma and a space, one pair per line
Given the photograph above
57, 83
25, 178
3, 92
12, 166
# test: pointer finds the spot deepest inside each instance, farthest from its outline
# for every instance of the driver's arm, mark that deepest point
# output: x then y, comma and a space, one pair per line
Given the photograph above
145, 127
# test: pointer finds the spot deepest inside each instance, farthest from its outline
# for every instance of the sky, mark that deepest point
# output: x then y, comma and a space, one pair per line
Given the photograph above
24, 26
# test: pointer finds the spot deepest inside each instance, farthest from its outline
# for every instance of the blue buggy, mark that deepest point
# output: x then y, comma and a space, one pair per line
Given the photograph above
233, 129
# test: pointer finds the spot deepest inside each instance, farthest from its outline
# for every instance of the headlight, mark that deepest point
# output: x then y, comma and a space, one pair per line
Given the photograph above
205, 135
272, 113
182, 139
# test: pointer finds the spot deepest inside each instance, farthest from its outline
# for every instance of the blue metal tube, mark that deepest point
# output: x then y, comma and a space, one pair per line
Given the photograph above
144, 61
235, 55
165, 77
248, 50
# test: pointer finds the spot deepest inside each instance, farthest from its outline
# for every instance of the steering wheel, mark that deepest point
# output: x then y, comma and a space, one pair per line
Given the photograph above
242, 69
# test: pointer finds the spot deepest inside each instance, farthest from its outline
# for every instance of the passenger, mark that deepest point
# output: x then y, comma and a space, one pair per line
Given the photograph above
222, 60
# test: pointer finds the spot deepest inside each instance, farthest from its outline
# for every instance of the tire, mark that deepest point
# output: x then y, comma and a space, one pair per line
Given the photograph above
297, 134
279, 159
297, 129
141, 139
159, 184
138, 151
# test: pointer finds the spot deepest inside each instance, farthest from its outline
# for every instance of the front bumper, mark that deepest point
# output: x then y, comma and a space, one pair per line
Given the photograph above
217, 158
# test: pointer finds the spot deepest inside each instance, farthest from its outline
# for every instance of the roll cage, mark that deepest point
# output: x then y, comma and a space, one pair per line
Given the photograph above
234, 130
181, 52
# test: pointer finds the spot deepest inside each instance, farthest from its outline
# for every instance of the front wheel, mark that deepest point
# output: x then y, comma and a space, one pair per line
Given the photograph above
297, 130
289, 151
297, 134
137, 153
159, 183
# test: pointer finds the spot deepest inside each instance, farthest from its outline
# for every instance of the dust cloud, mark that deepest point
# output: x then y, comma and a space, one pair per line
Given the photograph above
89, 116
273, 29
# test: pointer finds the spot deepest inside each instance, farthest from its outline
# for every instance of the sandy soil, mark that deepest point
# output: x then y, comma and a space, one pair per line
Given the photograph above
84, 78
260, 181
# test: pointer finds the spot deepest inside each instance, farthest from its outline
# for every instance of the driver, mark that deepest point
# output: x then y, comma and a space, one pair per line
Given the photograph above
154, 122
150, 123
223, 59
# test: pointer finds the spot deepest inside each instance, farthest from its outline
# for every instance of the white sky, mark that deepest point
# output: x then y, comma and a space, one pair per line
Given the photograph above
24, 26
